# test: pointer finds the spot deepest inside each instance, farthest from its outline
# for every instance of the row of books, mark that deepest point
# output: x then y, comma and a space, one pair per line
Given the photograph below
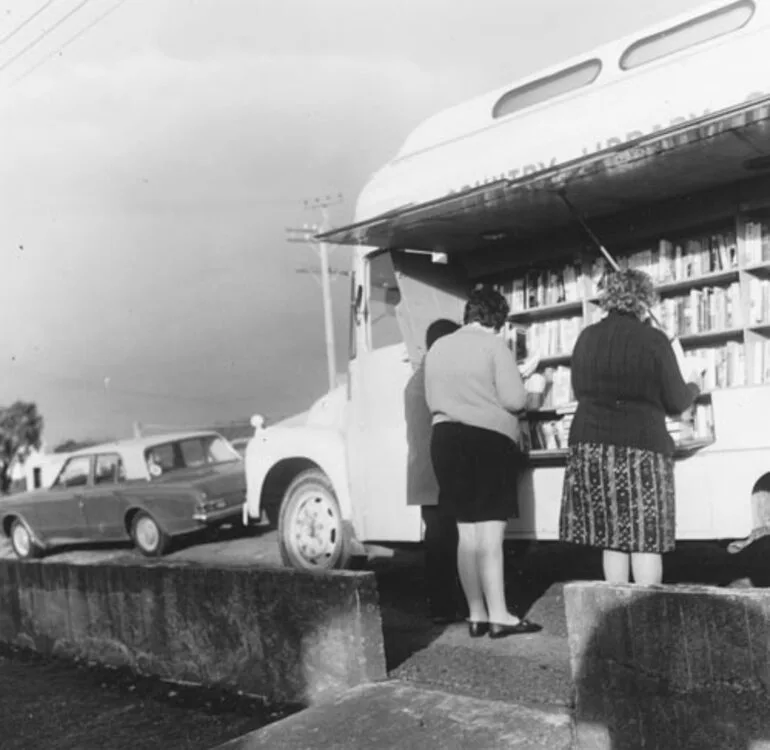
698, 424
538, 288
707, 309
558, 387
687, 259
670, 261
666, 262
760, 361
553, 337
553, 434
759, 301
756, 243
696, 256
543, 435
720, 366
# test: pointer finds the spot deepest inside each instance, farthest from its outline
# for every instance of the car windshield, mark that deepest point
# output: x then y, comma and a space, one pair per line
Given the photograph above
189, 453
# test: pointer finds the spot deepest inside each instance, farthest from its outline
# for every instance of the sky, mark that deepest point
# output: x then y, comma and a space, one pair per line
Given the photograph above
149, 170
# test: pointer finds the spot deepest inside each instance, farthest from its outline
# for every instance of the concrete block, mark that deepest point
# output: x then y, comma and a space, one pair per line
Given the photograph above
399, 715
287, 635
669, 667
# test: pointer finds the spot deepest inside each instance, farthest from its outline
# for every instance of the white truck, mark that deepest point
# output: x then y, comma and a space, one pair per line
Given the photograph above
662, 142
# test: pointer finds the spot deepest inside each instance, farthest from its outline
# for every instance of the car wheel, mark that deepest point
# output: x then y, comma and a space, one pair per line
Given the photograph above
22, 542
311, 534
148, 537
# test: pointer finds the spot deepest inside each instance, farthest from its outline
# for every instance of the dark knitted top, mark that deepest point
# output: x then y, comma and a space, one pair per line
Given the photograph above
626, 380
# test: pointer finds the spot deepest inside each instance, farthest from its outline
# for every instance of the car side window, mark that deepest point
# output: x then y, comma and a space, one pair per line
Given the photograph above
193, 452
75, 472
160, 459
109, 469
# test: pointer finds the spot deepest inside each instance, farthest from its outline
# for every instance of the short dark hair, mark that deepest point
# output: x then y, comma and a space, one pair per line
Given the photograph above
438, 329
488, 307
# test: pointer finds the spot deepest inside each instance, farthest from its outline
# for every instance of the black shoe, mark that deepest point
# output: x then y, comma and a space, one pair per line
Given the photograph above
477, 629
520, 628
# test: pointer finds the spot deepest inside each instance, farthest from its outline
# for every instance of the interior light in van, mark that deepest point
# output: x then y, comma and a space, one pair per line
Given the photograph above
695, 31
547, 87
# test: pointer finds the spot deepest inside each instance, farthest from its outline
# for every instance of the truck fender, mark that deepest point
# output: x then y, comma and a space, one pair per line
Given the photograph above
295, 449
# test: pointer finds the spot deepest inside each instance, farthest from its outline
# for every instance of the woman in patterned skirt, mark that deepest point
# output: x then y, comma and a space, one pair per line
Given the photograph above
619, 483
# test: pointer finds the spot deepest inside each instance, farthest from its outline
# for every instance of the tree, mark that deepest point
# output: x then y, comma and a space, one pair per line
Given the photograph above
21, 429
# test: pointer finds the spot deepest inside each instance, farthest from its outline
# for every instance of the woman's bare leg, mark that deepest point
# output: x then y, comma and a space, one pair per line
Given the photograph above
489, 535
467, 567
616, 566
647, 568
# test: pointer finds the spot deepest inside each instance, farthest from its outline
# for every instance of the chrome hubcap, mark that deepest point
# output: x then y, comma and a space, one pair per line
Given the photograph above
147, 534
21, 540
315, 528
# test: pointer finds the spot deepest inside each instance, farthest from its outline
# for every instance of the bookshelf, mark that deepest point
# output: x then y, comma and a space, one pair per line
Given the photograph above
713, 285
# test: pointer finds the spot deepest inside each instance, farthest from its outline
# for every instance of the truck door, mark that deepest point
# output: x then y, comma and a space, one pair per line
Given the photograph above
401, 296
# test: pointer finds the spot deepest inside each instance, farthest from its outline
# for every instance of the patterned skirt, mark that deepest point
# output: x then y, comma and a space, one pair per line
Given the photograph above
618, 498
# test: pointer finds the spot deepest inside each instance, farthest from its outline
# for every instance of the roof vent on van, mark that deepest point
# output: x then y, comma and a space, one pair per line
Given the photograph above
697, 30
548, 87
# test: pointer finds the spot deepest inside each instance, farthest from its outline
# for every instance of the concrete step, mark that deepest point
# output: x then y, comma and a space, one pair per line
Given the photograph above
395, 714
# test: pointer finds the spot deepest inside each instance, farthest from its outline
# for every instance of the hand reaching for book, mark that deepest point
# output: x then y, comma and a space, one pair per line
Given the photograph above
529, 365
692, 367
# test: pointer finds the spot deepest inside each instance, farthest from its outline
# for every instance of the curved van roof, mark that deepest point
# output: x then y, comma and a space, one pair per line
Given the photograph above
652, 115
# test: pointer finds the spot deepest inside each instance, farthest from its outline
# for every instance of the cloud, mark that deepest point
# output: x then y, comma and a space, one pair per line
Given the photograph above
141, 189
157, 129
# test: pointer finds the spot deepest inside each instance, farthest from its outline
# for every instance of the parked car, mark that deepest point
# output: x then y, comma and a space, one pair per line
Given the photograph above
148, 490
240, 444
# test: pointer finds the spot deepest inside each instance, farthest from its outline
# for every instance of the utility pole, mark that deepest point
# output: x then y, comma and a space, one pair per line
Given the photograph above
306, 235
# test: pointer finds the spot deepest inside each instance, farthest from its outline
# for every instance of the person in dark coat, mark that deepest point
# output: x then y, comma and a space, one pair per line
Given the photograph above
443, 593
618, 492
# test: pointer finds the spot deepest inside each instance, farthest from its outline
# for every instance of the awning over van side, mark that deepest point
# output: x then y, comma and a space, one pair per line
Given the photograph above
718, 149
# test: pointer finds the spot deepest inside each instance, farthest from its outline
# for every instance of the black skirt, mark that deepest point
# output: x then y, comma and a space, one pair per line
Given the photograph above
477, 470
618, 498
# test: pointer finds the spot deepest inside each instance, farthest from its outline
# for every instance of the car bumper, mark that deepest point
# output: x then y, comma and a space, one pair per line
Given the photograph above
215, 516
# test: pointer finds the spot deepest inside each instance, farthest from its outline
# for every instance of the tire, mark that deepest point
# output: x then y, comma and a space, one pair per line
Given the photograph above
148, 537
22, 542
311, 533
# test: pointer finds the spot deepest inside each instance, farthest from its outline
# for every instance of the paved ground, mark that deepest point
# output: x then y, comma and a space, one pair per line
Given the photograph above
236, 546
38, 696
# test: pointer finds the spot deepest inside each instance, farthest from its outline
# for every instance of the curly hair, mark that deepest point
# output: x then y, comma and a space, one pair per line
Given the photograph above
628, 291
487, 307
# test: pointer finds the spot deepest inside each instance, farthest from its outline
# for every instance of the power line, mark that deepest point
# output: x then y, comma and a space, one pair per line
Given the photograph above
69, 41
11, 34
42, 36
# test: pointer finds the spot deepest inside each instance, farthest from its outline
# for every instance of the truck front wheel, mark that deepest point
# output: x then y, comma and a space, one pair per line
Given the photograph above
311, 534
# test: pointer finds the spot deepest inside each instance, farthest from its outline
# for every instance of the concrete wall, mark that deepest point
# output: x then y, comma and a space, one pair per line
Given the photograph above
283, 634
674, 668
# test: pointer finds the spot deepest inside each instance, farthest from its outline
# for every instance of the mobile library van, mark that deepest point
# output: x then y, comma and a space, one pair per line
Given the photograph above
659, 144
